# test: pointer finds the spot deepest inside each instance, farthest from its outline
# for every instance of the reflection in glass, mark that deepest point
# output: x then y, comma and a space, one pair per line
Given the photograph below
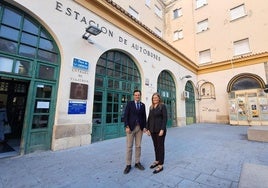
245, 83
46, 72
43, 91
29, 39
8, 46
27, 51
11, 17
29, 26
22, 67
6, 64
9, 33
40, 121
46, 44
47, 56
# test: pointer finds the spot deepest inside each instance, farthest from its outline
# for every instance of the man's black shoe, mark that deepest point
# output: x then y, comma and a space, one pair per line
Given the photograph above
139, 166
127, 169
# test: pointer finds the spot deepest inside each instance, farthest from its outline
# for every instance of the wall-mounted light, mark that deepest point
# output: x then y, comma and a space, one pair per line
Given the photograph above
187, 76
91, 30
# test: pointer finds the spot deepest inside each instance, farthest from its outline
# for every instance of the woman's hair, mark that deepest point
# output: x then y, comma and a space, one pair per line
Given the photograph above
160, 100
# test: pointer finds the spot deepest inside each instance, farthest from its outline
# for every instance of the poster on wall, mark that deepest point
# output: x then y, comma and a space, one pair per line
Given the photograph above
77, 107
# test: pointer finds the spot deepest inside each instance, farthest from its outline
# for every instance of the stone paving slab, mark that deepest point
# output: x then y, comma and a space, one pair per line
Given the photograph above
198, 156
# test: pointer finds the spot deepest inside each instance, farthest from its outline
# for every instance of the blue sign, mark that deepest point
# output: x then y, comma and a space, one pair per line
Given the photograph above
77, 107
80, 64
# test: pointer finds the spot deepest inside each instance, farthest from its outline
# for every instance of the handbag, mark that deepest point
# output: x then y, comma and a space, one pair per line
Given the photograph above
7, 128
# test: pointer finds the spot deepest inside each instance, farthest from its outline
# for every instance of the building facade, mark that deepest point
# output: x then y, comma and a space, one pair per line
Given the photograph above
65, 85
64, 90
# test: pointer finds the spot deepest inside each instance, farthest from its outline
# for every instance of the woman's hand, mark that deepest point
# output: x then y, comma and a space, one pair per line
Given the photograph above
161, 133
148, 133
128, 131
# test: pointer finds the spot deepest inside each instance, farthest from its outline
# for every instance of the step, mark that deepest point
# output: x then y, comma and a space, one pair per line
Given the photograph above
253, 176
258, 133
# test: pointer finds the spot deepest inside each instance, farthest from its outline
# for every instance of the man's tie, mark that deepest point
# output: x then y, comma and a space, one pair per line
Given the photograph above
138, 105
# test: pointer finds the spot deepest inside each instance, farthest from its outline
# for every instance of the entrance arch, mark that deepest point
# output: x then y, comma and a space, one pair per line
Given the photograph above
29, 69
248, 104
166, 88
117, 76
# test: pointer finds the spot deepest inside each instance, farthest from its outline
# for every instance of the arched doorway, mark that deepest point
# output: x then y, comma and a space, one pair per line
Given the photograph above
116, 78
29, 69
190, 104
166, 88
248, 104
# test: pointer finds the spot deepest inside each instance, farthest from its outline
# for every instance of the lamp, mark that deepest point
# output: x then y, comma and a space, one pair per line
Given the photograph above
91, 30
187, 76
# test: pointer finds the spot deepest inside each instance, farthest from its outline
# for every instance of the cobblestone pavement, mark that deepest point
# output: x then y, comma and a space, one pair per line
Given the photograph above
197, 156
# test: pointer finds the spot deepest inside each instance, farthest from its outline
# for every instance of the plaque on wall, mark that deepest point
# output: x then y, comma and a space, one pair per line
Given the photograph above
77, 107
78, 91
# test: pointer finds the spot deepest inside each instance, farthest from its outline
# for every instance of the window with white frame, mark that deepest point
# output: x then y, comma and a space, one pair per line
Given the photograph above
202, 25
204, 56
158, 11
178, 35
241, 47
158, 32
237, 12
177, 13
200, 3
133, 13
147, 3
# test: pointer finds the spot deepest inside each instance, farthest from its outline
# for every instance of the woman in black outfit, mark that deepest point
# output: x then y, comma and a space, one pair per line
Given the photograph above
156, 127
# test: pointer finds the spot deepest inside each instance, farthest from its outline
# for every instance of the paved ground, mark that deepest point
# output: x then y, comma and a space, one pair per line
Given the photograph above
200, 155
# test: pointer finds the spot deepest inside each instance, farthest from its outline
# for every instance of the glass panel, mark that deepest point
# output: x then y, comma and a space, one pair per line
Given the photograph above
109, 97
108, 118
46, 44
44, 34
98, 82
43, 91
29, 39
8, 46
9, 33
22, 67
245, 83
30, 27
46, 72
3, 86
97, 107
40, 121
11, 17
20, 88
47, 56
97, 118
109, 108
98, 96
6, 64
100, 70
42, 106
110, 83
27, 51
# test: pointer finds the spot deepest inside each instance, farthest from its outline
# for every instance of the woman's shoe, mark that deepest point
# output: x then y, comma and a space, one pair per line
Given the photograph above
158, 169
155, 164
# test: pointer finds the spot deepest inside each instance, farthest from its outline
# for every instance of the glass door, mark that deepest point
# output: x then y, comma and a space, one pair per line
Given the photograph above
42, 109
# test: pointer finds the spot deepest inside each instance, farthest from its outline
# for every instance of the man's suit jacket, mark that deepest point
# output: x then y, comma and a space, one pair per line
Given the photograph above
132, 115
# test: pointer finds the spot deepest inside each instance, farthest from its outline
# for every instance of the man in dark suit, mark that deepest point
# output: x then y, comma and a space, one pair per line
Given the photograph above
135, 122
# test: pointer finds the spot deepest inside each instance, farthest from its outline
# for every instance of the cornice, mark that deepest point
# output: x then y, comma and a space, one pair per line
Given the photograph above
116, 15
234, 63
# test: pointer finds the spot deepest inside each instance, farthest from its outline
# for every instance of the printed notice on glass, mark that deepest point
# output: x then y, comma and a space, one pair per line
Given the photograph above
42, 105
